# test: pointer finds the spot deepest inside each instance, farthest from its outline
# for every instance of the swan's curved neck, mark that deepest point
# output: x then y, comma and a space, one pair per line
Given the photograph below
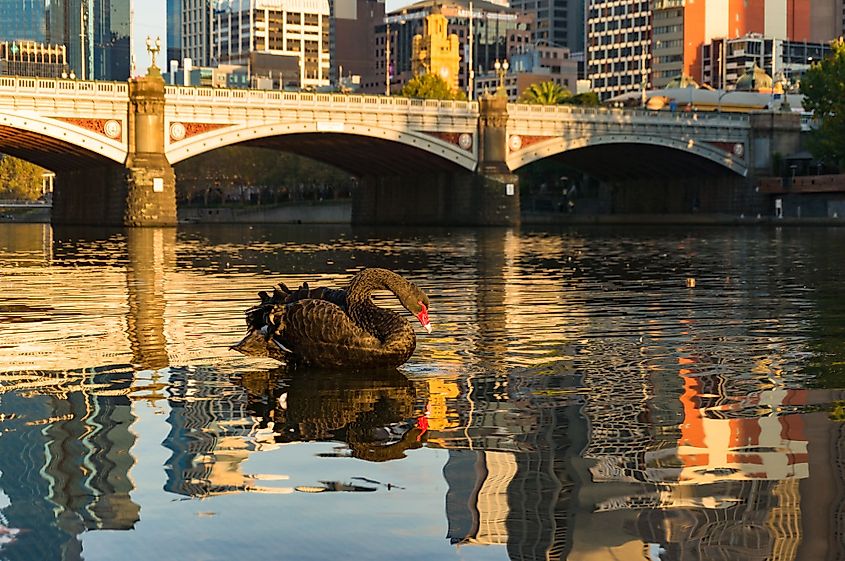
380, 322
368, 281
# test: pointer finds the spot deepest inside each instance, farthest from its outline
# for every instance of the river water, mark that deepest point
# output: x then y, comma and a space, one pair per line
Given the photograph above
587, 394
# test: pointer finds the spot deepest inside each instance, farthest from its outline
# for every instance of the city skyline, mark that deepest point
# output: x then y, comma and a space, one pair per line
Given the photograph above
151, 20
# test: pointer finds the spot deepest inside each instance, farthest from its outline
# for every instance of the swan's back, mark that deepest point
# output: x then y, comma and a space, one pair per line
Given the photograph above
336, 328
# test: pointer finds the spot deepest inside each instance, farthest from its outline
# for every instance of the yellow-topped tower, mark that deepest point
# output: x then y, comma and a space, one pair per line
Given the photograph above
437, 52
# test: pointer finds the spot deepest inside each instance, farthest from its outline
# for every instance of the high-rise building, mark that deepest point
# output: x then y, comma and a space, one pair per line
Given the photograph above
174, 30
190, 29
23, 20
111, 29
352, 40
840, 17
618, 45
681, 29
558, 23
667, 61
285, 40
97, 34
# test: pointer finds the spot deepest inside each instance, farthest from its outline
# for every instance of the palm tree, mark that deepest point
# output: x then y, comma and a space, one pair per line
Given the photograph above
545, 93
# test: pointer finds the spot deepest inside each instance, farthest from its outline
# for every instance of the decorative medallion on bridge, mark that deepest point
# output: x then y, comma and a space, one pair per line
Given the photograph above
112, 129
177, 131
518, 142
461, 139
180, 131
737, 149
465, 141
108, 127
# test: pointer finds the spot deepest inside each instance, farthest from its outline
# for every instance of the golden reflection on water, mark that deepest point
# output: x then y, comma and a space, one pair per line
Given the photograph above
591, 404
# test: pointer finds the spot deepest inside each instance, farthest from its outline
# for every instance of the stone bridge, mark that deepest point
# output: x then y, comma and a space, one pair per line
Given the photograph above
113, 145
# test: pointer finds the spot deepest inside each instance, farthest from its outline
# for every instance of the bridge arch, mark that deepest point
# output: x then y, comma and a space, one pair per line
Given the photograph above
562, 146
55, 144
355, 147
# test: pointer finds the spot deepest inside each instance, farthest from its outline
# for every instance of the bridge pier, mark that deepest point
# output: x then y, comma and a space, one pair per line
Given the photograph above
487, 197
142, 192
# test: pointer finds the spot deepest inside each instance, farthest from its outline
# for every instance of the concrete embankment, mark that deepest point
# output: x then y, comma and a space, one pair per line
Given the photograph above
323, 212
340, 212
32, 215
564, 219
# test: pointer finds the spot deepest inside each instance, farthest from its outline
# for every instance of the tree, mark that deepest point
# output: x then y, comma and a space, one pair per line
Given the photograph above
19, 179
586, 99
823, 86
430, 86
545, 93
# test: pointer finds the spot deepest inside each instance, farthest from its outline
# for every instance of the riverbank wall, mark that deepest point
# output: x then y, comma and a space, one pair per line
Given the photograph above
340, 212
564, 219
322, 212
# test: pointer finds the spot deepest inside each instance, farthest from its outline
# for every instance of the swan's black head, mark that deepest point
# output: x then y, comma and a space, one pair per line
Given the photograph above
417, 303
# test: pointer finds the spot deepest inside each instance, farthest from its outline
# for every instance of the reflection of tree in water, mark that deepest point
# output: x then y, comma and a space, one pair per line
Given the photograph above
372, 411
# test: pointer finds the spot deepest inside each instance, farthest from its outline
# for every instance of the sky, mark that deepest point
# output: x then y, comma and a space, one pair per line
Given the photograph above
151, 19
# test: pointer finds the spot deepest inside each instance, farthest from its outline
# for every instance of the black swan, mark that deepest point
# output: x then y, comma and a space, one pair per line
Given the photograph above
336, 328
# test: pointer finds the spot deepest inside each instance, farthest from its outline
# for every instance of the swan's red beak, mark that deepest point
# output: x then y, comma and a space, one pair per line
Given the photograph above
423, 317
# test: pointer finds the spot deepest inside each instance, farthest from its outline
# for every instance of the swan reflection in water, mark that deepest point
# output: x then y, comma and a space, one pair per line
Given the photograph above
376, 414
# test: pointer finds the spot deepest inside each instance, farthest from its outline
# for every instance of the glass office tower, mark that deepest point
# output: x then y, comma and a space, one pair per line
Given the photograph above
174, 30
97, 33
112, 33
23, 20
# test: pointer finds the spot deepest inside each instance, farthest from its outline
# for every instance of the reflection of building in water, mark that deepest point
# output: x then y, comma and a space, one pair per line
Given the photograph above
620, 425
65, 461
725, 488
510, 438
88, 458
751, 519
209, 436
717, 445
520, 498
823, 494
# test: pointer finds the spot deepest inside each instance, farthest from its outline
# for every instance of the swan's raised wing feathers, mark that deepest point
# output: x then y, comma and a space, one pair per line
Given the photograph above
315, 322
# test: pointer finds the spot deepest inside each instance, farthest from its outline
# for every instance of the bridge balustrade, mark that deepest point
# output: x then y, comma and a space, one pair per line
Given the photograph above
523, 110
309, 100
63, 88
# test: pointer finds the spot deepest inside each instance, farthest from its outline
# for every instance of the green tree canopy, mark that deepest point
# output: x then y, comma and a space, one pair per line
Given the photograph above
586, 99
19, 179
545, 93
823, 86
430, 86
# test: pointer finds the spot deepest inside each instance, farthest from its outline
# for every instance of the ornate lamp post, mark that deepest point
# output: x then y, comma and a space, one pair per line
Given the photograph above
153, 48
501, 70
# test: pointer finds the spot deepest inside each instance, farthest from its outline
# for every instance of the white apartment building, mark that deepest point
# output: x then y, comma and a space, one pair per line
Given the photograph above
189, 25
618, 45
286, 37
